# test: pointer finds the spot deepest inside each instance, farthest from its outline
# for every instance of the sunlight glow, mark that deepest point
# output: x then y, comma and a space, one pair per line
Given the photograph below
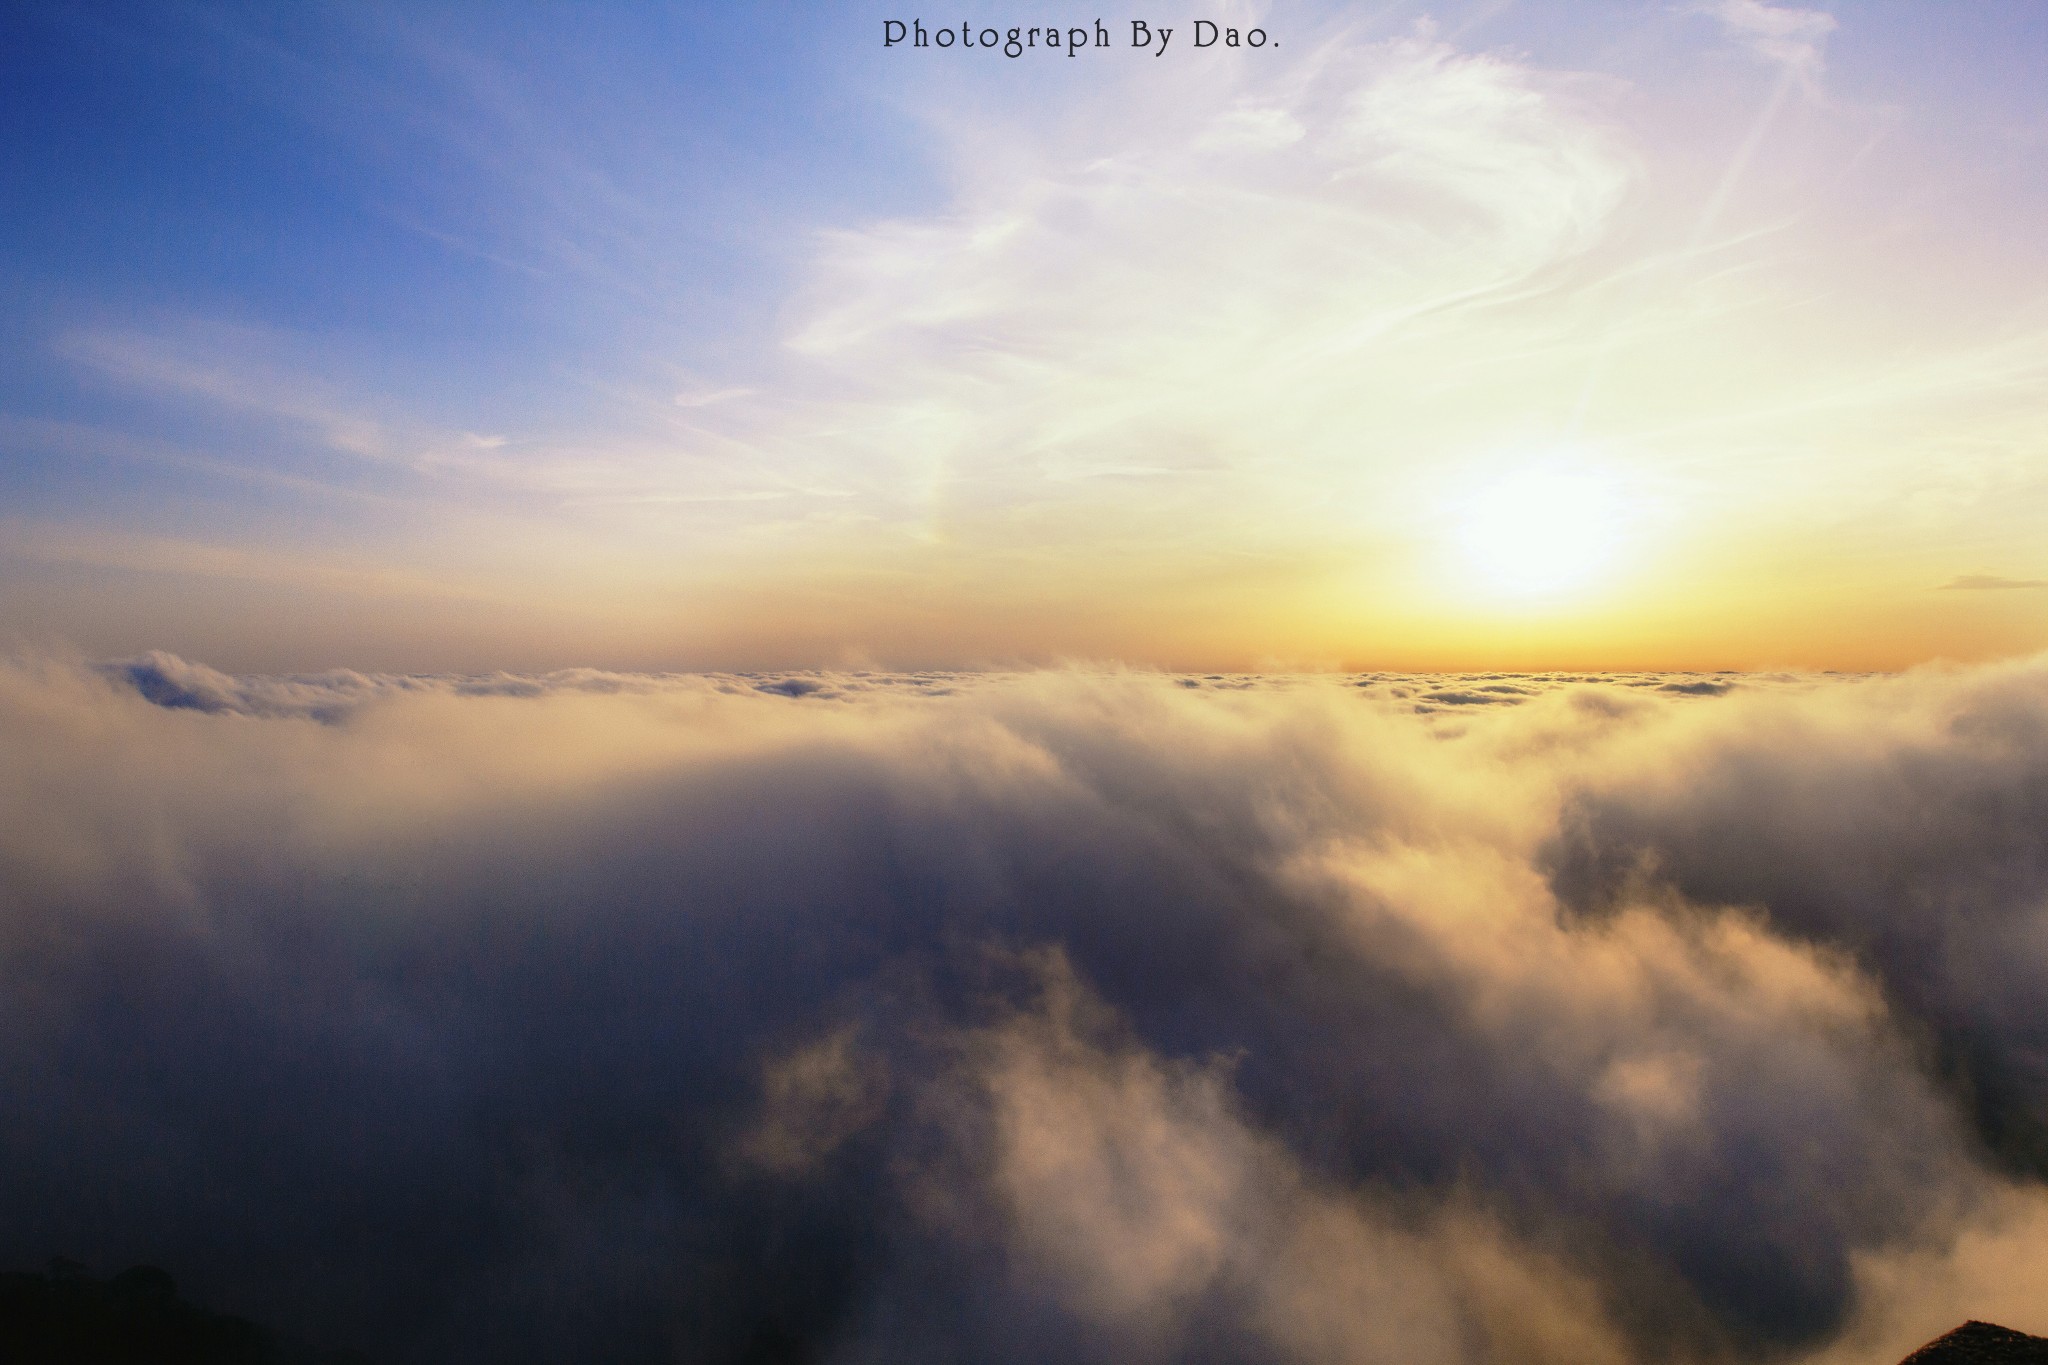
1542, 531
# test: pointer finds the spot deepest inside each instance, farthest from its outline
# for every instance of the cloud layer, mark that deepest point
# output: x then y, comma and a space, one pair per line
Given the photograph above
862, 1017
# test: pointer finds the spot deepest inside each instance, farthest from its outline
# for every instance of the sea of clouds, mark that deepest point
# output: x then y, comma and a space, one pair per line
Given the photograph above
1072, 1015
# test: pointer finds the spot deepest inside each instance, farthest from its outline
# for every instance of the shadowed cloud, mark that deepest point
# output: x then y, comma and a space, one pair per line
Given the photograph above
859, 1016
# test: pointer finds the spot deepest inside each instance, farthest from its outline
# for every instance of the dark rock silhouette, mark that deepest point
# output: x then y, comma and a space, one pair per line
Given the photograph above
1982, 1343
66, 1317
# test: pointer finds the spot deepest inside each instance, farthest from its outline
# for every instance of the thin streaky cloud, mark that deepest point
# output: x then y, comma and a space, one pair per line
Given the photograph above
99, 547
1792, 38
1985, 582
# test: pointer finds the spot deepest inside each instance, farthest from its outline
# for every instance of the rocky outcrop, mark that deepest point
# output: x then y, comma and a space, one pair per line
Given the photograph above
66, 1317
1982, 1343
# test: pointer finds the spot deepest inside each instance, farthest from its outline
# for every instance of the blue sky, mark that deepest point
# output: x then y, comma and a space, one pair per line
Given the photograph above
459, 203
717, 334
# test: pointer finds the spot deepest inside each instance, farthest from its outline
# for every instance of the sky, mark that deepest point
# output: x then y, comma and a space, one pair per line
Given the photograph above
1493, 335
679, 685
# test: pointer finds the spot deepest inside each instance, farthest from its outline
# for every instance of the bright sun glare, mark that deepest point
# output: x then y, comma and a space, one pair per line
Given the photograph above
1541, 531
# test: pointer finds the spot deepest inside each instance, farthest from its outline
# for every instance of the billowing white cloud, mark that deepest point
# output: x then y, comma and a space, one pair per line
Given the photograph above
1063, 1015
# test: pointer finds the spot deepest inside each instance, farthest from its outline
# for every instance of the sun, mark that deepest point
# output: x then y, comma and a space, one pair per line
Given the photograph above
1542, 531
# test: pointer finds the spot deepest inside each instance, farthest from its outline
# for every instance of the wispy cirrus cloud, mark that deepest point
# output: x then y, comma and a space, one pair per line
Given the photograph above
353, 575
1161, 298
234, 368
1280, 314
1229, 265
1988, 582
1785, 35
